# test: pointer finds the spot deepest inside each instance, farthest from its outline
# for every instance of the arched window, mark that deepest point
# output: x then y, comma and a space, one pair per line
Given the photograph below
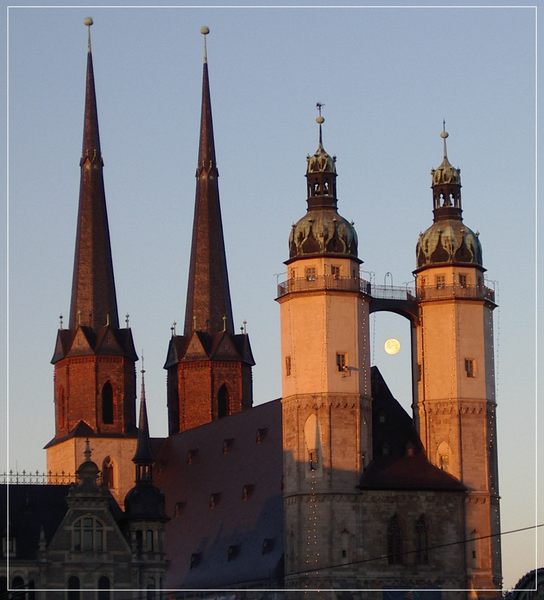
222, 402
88, 535
422, 555
394, 541
18, 587
73, 588
108, 479
107, 404
443, 454
104, 588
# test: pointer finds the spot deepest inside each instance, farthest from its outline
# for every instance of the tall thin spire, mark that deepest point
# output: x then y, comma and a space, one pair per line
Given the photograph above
208, 294
143, 455
93, 285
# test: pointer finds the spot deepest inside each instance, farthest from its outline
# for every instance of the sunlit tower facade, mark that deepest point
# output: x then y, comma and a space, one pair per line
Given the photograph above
324, 313
455, 408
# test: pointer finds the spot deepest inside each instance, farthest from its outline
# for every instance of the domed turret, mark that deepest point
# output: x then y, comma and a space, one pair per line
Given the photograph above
322, 231
448, 240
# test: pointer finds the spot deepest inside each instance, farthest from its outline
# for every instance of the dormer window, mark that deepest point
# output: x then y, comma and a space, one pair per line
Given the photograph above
227, 445
196, 557
268, 545
179, 508
214, 500
191, 455
247, 491
233, 551
261, 434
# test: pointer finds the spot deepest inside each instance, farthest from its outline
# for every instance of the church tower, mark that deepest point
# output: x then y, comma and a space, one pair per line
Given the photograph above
209, 366
455, 409
94, 358
326, 406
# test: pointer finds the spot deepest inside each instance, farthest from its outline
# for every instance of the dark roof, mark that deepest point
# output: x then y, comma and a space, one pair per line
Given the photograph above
82, 429
208, 293
399, 460
94, 300
201, 345
223, 488
31, 508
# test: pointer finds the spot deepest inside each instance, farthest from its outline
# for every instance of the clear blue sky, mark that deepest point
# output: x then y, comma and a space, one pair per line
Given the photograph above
387, 77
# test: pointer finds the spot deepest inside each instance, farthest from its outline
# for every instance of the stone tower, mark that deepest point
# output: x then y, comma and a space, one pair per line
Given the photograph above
94, 358
326, 407
209, 366
455, 409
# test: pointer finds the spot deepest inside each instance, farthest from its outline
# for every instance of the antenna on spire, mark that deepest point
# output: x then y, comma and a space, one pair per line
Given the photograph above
320, 120
204, 31
444, 134
88, 21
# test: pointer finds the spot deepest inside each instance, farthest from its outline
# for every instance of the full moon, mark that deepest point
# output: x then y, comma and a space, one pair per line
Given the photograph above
392, 346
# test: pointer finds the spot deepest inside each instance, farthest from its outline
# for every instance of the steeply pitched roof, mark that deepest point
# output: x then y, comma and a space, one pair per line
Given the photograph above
94, 301
31, 508
223, 488
208, 306
399, 461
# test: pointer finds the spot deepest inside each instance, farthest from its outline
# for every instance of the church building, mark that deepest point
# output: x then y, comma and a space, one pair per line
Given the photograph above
333, 486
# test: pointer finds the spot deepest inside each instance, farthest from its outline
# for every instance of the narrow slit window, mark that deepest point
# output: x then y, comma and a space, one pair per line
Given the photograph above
288, 366
341, 361
470, 367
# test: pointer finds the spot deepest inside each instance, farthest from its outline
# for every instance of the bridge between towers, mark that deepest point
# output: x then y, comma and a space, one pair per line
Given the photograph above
399, 300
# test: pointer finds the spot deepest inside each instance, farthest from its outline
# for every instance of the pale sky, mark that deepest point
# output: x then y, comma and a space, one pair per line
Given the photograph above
387, 77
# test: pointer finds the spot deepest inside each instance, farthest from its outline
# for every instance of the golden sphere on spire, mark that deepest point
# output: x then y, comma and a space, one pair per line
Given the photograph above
204, 30
444, 134
320, 120
88, 21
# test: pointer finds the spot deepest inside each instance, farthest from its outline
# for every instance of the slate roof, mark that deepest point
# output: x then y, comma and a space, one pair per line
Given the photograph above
399, 461
223, 488
32, 507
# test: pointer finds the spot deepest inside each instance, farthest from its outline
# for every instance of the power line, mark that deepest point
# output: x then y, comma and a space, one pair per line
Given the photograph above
427, 548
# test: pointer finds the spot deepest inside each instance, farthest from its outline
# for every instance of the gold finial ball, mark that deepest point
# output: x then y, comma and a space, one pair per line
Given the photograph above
320, 120
204, 30
444, 134
88, 21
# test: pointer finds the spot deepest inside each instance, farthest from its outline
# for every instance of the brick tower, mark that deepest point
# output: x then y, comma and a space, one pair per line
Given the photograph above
209, 366
95, 380
325, 385
455, 409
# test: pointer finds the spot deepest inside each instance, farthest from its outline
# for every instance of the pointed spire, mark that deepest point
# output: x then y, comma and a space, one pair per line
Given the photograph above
208, 294
143, 458
93, 285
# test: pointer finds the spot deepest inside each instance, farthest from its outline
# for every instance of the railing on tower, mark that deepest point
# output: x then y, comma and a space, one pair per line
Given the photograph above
385, 292
323, 282
36, 478
439, 292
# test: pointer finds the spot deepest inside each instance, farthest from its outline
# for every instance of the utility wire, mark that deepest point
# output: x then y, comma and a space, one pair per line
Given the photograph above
180, 593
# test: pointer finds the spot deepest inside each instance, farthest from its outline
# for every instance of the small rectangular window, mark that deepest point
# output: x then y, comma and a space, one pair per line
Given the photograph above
440, 282
335, 271
470, 367
462, 280
310, 273
288, 366
292, 273
419, 372
341, 361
